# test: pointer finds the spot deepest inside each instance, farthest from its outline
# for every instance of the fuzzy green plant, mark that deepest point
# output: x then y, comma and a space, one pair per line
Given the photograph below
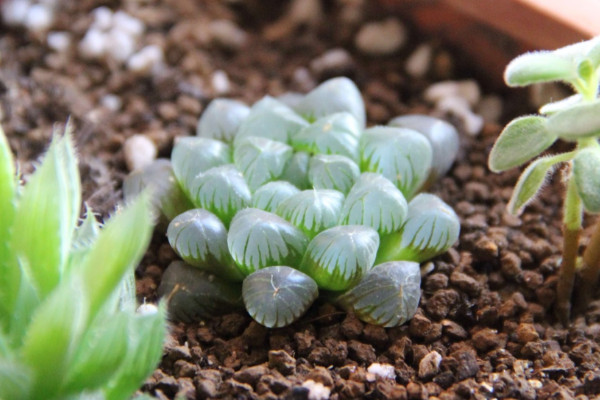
575, 119
68, 324
296, 200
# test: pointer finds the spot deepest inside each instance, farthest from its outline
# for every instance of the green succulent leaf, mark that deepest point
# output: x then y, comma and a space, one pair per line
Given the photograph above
194, 295
15, 380
588, 49
402, 155
520, 141
222, 119
337, 133
222, 191
529, 184
277, 296
376, 202
338, 257
388, 295
200, 238
431, 228
576, 122
586, 172
261, 160
296, 170
540, 66
312, 210
259, 239
560, 105
270, 195
332, 172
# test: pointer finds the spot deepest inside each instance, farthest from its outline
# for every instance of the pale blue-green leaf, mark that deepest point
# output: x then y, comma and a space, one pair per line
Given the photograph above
540, 66
261, 160
402, 155
221, 119
15, 380
431, 228
290, 99
521, 140
332, 172
338, 257
586, 172
529, 184
194, 295
313, 210
277, 296
296, 170
259, 239
561, 105
334, 95
222, 191
442, 136
270, 195
588, 49
579, 121
376, 202
200, 238
126, 298
388, 295
193, 155
337, 133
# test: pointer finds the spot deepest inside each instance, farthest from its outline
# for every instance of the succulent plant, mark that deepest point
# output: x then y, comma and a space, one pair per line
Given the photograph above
306, 199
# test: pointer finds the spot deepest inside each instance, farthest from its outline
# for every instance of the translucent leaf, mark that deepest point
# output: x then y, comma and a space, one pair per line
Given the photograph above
579, 121
193, 155
200, 238
388, 295
194, 295
337, 133
520, 141
270, 195
401, 155
313, 210
15, 380
334, 95
338, 257
277, 296
296, 170
561, 105
222, 191
529, 184
261, 160
442, 136
376, 202
586, 172
221, 119
85, 235
541, 66
258, 239
431, 228
332, 172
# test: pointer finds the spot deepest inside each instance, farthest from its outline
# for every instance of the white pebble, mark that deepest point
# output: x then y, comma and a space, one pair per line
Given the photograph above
127, 23
14, 12
467, 89
381, 38
93, 44
139, 151
460, 107
473, 123
430, 365
305, 12
147, 309
220, 82
39, 18
303, 79
419, 62
490, 108
111, 102
59, 41
103, 18
146, 60
382, 370
227, 34
316, 390
334, 60
120, 45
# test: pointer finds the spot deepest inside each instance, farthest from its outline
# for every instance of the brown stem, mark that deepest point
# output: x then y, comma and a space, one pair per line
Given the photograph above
590, 269
566, 275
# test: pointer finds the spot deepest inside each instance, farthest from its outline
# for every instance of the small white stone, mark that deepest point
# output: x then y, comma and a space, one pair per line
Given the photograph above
103, 18
120, 44
125, 22
333, 60
93, 44
148, 59
303, 79
39, 18
220, 82
382, 370
59, 41
227, 34
430, 365
467, 89
381, 38
460, 107
307, 12
111, 102
147, 309
139, 151
14, 12
490, 108
316, 390
419, 62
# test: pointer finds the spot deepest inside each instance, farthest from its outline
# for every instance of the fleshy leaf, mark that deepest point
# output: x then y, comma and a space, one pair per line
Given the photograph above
402, 155
277, 296
313, 210
337, 133
270, 195
15, 380
193, 294
586, 171
296, 171
541, 66
376, 202
221, 119
561, 105
222, 191
259, 239
261, 160
388, 295
338, 257
431, 228
521, 140
200, 238
332, 172
334, 95
579, 121
529, 184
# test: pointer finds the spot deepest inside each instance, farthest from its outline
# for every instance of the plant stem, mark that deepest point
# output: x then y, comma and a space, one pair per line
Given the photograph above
590, 269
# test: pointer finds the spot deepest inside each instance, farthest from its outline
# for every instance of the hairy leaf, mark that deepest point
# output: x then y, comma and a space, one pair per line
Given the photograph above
312, 210
221, 119
261, 160
540, 66
332, 172
576, 122
586, 172
561, 105
529, 184
337, 133
270, 195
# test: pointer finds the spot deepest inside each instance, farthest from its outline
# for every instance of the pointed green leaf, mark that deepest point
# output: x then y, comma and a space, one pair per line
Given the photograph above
15, 380
586, 172
221, 119
541, 66
85, 235
338, 257
561, 105
296, 170
26, 300
332, 172
270, 195
261, 160
579, 121
388, 295
529, 184
259, 239
521, 140
312, 210
277, 296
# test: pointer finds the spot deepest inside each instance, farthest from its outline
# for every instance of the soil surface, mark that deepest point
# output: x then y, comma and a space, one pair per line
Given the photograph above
484, 328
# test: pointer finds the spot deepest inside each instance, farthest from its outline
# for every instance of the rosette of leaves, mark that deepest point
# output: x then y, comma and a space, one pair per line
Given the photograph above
305, 199
575, 119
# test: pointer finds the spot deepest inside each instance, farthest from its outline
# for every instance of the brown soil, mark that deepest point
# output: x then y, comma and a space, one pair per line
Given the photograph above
486, 309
